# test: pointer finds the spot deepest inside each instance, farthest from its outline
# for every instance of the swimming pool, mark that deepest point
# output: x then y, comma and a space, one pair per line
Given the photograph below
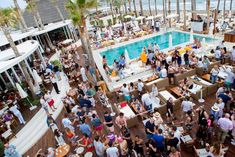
134, 49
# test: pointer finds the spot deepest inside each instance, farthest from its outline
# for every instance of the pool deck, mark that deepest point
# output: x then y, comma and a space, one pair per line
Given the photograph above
112, 85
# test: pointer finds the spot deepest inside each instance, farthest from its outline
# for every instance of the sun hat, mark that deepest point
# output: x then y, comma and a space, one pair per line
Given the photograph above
215, 108
157, 115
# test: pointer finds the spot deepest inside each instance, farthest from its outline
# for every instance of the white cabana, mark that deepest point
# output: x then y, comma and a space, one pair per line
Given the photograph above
170, 41
172, 16
128, 17
117, 25
158, 16
150, 18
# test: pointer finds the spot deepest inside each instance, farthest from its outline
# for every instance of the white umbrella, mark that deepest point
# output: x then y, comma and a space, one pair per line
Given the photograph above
191, 35
128, 16
37, 77
22, 93
203, 46
170, 41
124, 25
98, 34
127, 56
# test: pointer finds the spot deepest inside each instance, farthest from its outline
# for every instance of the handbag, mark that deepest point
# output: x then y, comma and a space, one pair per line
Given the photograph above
51, 102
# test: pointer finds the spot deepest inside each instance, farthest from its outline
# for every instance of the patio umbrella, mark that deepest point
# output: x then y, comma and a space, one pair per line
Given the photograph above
37, 77
24, 95
191, 35
170, 41
127, 56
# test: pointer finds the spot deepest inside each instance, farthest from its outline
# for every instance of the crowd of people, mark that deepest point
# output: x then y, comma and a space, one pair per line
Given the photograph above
88, 120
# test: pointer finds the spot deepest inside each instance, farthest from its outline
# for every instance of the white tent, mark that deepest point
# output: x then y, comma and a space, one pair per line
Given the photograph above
170, 41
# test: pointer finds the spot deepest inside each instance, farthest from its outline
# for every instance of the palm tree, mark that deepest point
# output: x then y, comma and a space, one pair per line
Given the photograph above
32, 7
164, 11
184, 7
218, 4
208, 14
141, 8
150, 12
178, 9
155, 5
7, 19
125, 5
118, 5
78, 14
169, 11
193, 8
129, 5
110, 2
55, 3
224, 9
230, 8
135, 10
21, 18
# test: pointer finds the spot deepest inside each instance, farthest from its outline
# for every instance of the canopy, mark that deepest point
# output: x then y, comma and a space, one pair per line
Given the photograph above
37, 77
27, 49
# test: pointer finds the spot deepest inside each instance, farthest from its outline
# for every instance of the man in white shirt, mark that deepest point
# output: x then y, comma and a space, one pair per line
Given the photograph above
163, 72
229, 78
218, 54
99, 147
225, 125
112, 151
54, 83
83, 73
67, 123
147, 101
187, 105
126, 92
233, 54
17, 113
140, 85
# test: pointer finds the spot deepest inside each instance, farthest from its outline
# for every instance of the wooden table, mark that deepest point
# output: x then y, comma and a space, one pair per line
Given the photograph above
208, 76
136, 110
176, 91
62, 150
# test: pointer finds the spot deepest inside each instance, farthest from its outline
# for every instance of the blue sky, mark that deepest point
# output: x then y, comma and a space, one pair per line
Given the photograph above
9, 3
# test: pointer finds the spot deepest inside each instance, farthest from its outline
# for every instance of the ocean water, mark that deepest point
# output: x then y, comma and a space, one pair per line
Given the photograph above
134, 49
200, 4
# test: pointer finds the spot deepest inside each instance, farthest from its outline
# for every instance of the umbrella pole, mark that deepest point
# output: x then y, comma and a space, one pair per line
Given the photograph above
32, 107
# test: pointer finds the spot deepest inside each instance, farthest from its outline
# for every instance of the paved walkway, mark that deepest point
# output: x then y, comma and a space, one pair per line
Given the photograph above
37, 126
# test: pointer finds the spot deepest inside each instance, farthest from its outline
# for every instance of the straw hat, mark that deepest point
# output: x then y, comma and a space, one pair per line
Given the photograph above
157, 115
215, 108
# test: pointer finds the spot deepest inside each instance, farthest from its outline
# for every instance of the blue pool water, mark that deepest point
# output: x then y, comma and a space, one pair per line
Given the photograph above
134, 49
